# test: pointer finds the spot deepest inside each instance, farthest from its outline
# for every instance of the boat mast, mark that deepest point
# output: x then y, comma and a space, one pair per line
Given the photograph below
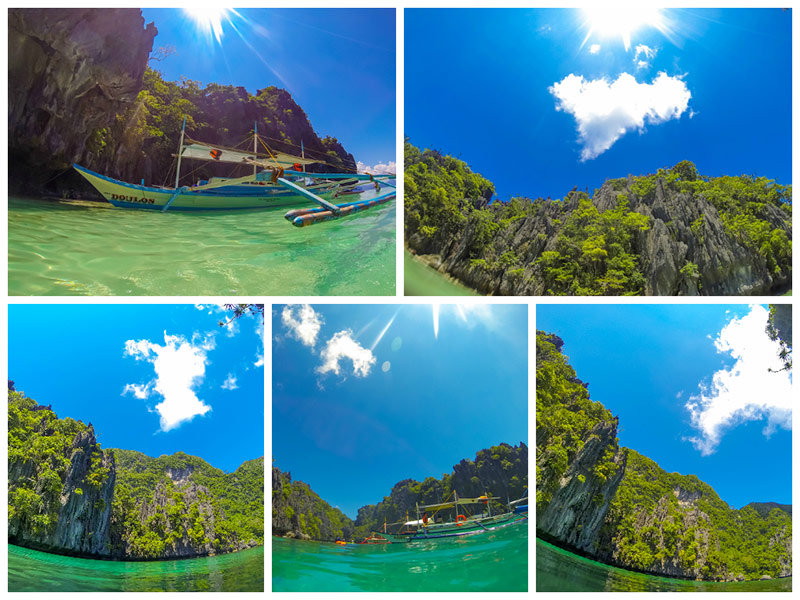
255, 146
302, 153
180, 152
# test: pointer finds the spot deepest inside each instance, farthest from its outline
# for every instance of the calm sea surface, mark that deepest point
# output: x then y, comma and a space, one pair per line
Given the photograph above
496, 561
32, 571
422, 280
560, 571
82, 248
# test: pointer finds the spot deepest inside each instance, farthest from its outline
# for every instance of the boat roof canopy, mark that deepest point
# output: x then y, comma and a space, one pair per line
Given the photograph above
230, 155
460, 501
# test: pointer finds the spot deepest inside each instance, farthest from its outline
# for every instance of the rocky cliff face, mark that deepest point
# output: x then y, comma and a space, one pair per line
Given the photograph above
297, 512
71, 71
578, 508
168, 507
685, 249
500, 471
76, 519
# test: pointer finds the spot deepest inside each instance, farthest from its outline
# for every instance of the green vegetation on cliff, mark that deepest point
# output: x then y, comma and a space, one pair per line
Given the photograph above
128, 505
663, 233
144, 138
657, 522
184, 500
565, 418
297, 511
41, 452
501, 471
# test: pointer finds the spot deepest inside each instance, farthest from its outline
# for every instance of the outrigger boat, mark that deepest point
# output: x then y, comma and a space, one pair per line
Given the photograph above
283, 181
425, 527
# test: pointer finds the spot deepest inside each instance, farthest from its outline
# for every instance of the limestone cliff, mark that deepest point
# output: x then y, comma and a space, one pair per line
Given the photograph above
70, 72
500, 470
672, 233
60, 482
617, 506
69, 496
298, 512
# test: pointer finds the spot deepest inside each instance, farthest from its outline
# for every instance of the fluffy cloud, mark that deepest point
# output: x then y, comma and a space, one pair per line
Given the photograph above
230, 383
379, 169
643, 55
179, 366
343, 346
594, 48
747, 391
303, 323
605, 111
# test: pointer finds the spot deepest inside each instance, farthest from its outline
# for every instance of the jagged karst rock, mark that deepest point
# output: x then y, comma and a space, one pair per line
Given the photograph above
70, 72
576, 513
79, 513
686, 249
298, 512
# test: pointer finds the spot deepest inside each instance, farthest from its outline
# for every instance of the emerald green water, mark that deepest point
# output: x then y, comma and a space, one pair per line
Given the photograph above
421, 280
560, 571
81, 248
32, 571
496, 561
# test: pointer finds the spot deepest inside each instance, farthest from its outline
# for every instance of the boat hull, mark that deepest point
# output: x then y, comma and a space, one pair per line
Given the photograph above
452, 530
239, 197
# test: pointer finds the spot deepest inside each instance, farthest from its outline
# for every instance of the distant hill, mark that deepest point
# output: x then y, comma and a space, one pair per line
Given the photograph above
764, 508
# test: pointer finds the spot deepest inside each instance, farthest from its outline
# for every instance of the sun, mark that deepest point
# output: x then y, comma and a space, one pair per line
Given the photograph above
209, 19
621, 22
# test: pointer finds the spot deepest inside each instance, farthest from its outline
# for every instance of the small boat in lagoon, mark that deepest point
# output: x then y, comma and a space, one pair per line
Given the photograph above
281, 182
425, 528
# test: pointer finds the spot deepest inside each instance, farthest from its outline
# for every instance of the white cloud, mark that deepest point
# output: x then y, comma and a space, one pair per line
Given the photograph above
747, 391
643, 56
179, 367
259, 360
594, 48
379, 169
230, 383
605, 111
303, 323
140, 391
341, 346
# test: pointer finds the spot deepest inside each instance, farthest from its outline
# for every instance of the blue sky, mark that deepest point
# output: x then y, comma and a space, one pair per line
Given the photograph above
154, 378
692, 389
338, 64
484, 86
366, 396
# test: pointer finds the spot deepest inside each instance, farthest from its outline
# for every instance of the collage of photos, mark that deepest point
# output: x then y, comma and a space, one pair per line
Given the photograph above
216, 253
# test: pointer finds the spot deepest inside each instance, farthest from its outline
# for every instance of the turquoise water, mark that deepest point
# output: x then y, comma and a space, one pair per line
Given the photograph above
32, 571
495, 561
82, 248
421, 280
560, 571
